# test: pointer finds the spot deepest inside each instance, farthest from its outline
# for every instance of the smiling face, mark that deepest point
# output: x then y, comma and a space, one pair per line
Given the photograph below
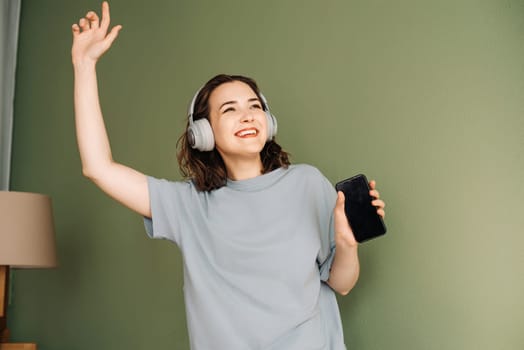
238, 121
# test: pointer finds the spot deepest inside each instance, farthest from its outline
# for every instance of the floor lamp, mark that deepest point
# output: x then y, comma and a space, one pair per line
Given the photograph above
27, 240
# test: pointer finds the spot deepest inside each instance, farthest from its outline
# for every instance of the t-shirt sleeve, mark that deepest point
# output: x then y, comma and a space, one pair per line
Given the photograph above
327, 200
166, 200
327, 253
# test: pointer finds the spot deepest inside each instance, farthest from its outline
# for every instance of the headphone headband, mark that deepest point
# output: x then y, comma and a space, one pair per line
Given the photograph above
191, 108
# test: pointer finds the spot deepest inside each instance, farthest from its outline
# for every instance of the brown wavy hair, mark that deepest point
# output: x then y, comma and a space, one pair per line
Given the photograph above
207, 169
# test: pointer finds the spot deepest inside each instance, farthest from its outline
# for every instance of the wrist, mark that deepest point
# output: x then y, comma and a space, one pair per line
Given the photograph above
83, 64
345, 242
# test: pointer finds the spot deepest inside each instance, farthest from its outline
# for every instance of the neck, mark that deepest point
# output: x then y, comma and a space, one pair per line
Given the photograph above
243, 169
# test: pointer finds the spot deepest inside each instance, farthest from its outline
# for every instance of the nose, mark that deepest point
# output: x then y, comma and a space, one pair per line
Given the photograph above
247, 116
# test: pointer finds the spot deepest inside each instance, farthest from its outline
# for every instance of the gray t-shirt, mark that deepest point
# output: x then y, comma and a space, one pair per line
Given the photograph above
256, 254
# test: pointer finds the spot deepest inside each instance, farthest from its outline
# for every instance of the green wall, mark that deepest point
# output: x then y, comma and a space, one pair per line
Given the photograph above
426, 97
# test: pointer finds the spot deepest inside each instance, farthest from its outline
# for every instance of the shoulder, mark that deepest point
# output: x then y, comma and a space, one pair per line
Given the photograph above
311, 177
311, 180
306, 170
165, 186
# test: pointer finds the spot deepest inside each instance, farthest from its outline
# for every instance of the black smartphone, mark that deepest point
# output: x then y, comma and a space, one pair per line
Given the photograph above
362, 215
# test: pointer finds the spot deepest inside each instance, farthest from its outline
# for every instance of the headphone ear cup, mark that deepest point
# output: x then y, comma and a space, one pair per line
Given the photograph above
200, 135
271, 126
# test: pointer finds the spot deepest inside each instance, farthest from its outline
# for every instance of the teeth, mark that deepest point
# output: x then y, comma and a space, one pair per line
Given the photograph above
247, 132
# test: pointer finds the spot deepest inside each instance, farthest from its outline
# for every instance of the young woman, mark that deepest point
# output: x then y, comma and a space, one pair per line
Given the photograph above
265, 243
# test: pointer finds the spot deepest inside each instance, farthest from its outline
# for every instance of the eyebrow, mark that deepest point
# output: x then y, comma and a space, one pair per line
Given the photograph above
233, 102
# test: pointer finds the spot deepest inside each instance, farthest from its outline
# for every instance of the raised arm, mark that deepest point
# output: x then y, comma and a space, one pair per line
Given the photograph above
91, 40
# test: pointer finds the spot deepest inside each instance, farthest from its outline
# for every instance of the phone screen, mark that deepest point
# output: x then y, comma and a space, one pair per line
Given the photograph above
362, 215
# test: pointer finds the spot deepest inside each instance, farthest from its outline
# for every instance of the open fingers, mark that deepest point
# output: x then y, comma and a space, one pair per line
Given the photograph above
84, 24
76, 29
106, 18
92, 17
113, 34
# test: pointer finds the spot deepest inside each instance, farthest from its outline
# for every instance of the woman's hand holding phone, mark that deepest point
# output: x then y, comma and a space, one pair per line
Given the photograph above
343, 232
362, 207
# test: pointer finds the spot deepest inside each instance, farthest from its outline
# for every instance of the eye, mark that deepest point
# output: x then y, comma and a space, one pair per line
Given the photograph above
229, 109
256, 105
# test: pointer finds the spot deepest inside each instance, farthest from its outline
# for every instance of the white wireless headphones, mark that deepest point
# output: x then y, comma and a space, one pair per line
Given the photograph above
200, 134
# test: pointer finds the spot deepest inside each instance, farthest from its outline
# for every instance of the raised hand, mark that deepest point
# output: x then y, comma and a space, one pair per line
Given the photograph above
91, 38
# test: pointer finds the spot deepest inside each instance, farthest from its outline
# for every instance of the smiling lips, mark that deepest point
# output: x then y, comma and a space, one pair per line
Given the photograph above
248, 132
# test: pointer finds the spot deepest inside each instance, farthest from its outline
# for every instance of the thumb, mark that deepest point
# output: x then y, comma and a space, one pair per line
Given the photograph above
113, 34
340, 201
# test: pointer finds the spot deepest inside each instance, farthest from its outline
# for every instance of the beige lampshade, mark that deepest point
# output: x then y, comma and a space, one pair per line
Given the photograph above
27, 236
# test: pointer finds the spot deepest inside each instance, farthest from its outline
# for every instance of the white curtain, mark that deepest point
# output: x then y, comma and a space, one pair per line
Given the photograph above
9, 19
